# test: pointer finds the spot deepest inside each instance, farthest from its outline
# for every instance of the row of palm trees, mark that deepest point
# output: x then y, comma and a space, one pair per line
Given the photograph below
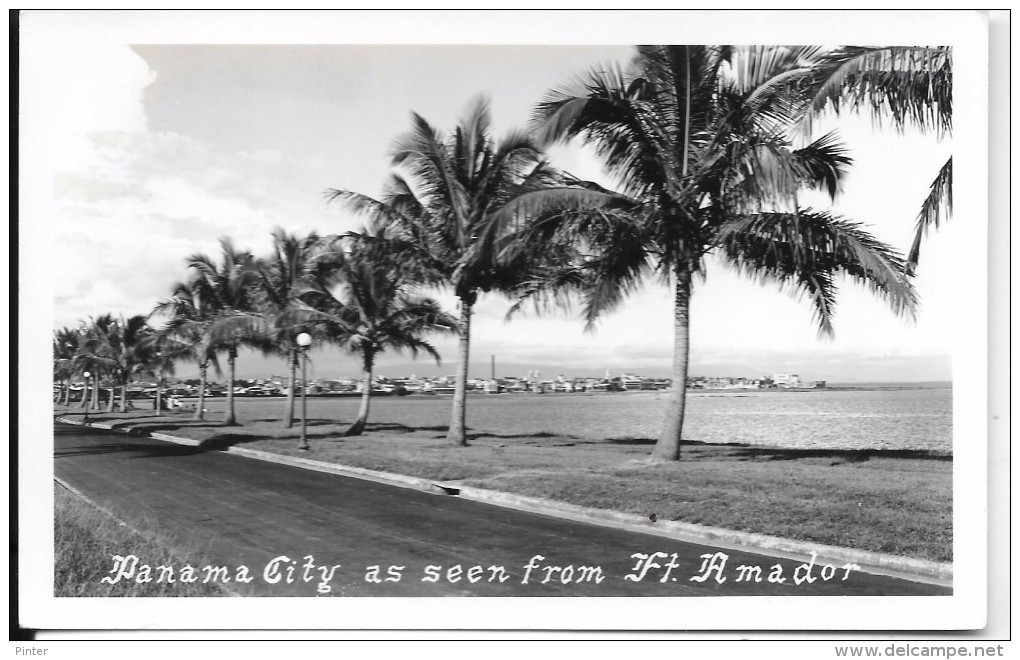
706, 148
112, 351
341, 290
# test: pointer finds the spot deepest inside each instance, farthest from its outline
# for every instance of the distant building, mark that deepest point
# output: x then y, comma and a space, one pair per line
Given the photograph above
786, 380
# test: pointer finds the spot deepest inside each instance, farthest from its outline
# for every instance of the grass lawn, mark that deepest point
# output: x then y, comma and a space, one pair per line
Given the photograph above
883, 501
85, 539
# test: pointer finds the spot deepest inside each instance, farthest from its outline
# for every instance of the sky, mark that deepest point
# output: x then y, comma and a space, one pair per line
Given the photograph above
166, 148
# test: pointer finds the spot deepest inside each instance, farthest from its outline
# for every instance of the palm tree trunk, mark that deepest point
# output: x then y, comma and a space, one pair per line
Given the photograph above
366, 397
123, 397
84, 394
457, 433
288, 413
95, 392
113, 397
668, 446
159, 395
200, 406
67, 392
229, 419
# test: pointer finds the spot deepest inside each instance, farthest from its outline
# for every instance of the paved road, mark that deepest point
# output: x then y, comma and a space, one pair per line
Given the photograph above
245, 512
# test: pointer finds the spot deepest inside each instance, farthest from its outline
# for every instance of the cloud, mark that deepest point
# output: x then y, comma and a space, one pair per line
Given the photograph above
131, 204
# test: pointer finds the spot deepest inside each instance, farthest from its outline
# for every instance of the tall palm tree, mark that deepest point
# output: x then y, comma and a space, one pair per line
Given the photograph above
163, 354
909, 86
190, 315
698, 138
123, 349
228, 288
460, 196
360, 297
85, 361
65, 345
80, 363
280, 277
94, 357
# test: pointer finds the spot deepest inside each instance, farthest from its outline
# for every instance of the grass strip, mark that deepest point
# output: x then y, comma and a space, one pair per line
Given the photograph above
85, 540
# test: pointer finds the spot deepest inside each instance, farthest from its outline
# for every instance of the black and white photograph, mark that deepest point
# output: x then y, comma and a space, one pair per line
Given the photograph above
435, 319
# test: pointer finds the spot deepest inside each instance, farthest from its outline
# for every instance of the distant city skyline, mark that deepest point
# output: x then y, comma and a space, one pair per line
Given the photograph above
882, 370
165, 148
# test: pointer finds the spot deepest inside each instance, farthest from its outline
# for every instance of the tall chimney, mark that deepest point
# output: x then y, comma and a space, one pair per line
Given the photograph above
493, 362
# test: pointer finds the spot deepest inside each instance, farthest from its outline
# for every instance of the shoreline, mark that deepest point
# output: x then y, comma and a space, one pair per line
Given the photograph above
690, 391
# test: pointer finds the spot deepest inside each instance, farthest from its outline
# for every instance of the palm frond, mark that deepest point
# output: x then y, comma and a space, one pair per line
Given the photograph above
825, 163
806, 248
937, 207
620, 120
909, 85
379, 212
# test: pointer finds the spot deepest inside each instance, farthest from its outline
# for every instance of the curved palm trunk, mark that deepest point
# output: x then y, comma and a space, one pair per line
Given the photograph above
158, 403
113, 397
200, 406
366, 397
95, 393
288, 413
67, 393
457, 433
668, 446
229, 419
123, 396
84, 394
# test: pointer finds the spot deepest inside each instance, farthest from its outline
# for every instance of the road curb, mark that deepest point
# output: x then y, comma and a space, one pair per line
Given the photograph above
390, 478
175, 439
908, 568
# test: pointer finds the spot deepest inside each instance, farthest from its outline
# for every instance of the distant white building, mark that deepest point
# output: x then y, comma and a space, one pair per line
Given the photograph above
786, 380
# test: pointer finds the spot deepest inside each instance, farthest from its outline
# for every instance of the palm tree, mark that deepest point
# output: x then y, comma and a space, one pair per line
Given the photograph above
698, 138
93, 356
460, 197
361, 299
190, 317
163, 354
123, 349
65, 345
228, 289
280, 277
84, 361
907, 85
80, 364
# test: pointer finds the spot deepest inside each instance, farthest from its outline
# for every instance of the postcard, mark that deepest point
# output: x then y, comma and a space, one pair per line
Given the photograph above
503, 320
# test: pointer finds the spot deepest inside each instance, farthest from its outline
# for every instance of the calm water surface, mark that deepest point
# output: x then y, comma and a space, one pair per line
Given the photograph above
877, 419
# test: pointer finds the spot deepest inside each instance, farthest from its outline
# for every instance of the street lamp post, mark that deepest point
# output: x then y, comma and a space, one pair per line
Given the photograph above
85, 420
304, 340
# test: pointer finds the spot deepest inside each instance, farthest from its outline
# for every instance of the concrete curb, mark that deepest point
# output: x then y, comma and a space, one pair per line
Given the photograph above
389, 478
176, 439
908, 568
98, 425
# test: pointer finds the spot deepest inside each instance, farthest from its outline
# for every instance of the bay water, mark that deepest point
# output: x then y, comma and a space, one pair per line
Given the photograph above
915, 418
